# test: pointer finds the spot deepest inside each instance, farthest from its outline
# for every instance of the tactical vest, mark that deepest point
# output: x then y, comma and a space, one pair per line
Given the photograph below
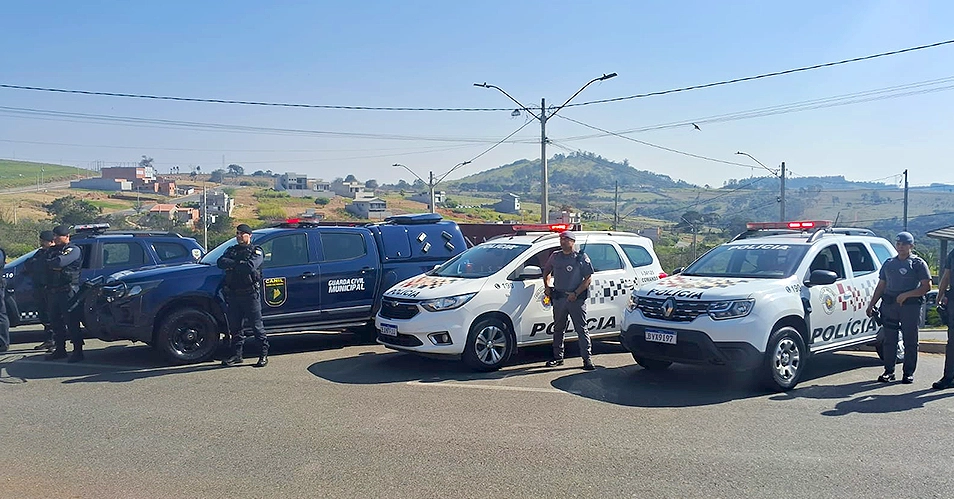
68, 275
238, 280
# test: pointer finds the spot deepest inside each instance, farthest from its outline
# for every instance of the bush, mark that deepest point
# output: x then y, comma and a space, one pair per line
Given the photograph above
270, 194
270, 211
321, 201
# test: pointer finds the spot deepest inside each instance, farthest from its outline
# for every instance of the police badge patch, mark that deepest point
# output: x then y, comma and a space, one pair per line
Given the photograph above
275, 291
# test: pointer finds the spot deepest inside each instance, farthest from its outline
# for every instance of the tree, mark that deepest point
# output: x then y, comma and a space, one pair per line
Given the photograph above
258, 173
145, 162
217, 176
350, 178
371, 184
71, 210
236, 170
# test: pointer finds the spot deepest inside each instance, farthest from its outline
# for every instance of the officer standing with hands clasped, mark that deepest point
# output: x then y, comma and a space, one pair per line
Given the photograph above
243, 281
35, 267
63, 264
947, 379
902, 284
571, 273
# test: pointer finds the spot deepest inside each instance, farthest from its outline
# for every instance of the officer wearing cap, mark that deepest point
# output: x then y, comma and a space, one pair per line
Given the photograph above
35, 267
63, 264
902, 284
243, 280
571, 271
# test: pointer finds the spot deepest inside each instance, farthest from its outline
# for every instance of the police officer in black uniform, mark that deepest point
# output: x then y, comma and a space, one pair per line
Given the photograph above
4, 320
243, 280
63, 264
35, 267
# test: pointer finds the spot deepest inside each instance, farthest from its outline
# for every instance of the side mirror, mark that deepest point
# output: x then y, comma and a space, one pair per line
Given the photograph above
821, 278
530, 272
677, 270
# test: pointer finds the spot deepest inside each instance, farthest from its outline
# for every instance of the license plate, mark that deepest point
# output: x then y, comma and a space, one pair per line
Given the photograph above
661, 336
389, 330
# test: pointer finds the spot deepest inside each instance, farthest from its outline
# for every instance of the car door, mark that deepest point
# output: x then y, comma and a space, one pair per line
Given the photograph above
863, 271
609, 287
349, 268
120, 255
830, 303
533, 319
290, 277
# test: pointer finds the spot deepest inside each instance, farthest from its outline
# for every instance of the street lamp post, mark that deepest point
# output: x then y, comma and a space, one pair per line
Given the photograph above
543, 117
778, 173
431, 183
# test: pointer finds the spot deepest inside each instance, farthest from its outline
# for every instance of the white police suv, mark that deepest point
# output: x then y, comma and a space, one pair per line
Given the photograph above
484, 303
769, 300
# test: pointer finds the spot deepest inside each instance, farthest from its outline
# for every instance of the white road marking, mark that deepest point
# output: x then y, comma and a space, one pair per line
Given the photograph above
448, 384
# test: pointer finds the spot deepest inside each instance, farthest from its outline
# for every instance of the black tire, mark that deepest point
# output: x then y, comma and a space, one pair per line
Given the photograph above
879, 347
489, 344
785, 359
652, 364
187, 335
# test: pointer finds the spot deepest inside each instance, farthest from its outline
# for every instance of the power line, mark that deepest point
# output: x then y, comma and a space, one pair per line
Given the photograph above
650, 144
464, 109
222, 149
878, 94
703, 201
768, 75
491, 148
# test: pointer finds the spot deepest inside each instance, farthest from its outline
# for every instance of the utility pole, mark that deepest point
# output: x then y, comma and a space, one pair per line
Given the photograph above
543, 117
616, 208
430, 186
205, 217
782, 197
905, 200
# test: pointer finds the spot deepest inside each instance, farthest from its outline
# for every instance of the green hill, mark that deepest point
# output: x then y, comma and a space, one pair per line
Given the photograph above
579, 171
15, 173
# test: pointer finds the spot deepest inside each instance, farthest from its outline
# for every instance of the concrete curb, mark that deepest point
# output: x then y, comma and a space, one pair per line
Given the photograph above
923, 347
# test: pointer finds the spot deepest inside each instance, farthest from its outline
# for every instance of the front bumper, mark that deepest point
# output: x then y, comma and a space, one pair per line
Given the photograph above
692, 347
421, 333
123, 320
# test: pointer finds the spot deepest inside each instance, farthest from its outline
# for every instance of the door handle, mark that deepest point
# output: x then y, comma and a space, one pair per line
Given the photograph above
308, 275
366, 269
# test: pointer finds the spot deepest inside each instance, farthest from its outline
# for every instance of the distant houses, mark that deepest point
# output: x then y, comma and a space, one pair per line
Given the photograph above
509, 203
371, 209
299, 185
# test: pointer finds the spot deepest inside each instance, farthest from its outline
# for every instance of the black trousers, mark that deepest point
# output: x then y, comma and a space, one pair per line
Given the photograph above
4, 322
245, 310
901, 319
65, 324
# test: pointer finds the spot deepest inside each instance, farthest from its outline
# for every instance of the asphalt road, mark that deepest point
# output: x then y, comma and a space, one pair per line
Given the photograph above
332, 418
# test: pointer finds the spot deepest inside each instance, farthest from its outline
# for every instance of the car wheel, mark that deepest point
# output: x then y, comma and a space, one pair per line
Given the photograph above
187, 335
879, 347
367, 333
785, 358
489, 345
652, 364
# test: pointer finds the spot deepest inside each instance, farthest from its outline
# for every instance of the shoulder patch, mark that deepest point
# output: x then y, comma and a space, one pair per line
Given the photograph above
259, 251
68, 250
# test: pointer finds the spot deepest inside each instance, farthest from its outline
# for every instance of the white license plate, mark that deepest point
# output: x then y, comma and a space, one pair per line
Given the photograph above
389, 330
661, 336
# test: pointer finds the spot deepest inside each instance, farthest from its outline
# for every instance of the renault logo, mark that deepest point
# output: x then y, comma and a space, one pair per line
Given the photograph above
668, 307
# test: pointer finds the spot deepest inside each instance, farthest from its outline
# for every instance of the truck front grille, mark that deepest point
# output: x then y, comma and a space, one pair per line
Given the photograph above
397, 309
683, 311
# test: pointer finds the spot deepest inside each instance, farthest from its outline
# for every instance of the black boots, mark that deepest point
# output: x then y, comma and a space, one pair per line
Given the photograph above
234, 360
262, 359
77, 355
59, 353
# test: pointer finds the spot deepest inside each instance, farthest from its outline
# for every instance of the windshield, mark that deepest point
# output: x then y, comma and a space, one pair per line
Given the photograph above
481, 261
769, 261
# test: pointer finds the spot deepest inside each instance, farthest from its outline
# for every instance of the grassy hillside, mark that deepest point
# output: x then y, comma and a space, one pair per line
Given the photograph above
23, 173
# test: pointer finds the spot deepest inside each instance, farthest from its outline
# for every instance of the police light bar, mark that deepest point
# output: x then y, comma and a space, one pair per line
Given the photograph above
90, 227
797, 225
292, 220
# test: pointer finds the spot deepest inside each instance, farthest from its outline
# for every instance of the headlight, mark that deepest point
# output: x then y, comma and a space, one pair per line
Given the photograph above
122, 290
731, 309
633, 302
449, 303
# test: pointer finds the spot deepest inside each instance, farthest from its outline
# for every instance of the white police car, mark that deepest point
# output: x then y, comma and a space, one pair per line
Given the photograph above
770, 299
484, 303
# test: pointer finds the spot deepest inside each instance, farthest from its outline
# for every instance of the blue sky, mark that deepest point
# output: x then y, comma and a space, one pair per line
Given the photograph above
429, 54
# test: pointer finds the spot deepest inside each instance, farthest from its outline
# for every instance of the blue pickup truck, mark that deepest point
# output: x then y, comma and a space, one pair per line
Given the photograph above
104, 252
315, 277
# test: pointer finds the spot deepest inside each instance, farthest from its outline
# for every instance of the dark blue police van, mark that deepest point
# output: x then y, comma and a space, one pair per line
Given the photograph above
104, 252
315, 277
